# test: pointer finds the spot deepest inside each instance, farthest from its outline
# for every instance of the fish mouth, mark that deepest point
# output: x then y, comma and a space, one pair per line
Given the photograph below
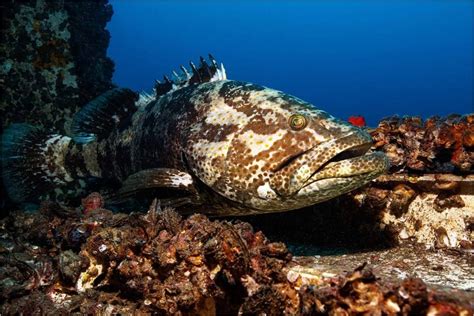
349, 155
351, 163
345, 157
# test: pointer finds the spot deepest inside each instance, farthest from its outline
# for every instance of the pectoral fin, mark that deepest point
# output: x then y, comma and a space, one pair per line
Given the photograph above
158, 178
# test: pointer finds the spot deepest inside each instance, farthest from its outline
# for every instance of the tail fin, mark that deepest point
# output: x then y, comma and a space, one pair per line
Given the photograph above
32, 161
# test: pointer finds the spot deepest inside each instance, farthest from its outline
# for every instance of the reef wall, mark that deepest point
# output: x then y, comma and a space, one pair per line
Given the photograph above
53, 59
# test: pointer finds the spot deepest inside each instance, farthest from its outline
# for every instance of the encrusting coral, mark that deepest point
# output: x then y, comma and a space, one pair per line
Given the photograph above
64, 261
441, 145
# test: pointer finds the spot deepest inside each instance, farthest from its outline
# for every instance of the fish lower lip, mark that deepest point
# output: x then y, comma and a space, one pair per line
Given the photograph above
370, 162
295, 173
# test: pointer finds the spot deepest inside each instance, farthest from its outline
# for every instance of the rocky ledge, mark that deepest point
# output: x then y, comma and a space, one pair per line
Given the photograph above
427, 197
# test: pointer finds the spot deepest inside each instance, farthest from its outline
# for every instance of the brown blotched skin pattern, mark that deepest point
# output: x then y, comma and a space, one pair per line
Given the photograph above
235, 138
236, 147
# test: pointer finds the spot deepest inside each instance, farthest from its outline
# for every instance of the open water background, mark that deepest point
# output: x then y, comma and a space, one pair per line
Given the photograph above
373, 58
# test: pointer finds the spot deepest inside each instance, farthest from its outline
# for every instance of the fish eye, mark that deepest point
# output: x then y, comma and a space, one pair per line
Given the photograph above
297, 122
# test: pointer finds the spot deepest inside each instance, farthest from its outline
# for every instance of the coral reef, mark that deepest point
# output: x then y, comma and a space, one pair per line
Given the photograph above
435, 210
63, 261
53, 59
441, 145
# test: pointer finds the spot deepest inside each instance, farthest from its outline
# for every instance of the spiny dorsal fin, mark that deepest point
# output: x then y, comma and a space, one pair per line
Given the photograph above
103, 114
204, 73
144, 99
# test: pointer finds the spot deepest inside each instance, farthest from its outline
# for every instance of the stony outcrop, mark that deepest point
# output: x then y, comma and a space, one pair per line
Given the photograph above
53, 59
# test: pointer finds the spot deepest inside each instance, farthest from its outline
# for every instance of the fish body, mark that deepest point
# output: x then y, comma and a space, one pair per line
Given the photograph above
233, 147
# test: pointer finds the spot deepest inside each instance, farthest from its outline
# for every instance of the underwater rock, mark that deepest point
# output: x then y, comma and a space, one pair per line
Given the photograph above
361, 292
436, 205
388, 212
436, 145
53, 61
160, 263
56, 51
440, 268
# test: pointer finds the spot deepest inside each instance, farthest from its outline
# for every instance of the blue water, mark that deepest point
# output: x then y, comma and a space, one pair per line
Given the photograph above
374, 58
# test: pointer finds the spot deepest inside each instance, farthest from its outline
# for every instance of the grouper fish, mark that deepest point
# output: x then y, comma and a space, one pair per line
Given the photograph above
201, 142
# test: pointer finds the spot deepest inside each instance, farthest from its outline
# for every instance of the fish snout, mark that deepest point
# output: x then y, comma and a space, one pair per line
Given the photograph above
295, 173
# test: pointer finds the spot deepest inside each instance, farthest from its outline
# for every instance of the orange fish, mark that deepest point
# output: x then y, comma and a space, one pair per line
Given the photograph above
357, 121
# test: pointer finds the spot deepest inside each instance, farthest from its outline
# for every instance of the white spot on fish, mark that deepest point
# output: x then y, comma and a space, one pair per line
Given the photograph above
266, 192
181, 180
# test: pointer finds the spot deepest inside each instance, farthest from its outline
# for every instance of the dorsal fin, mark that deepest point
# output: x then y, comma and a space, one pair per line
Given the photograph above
204, 73
103, 114
144, 99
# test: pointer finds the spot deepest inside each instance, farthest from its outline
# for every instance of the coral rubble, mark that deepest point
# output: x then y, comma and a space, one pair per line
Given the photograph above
97, 262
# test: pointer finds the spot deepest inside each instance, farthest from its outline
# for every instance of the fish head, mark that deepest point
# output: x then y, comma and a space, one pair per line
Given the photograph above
283, 153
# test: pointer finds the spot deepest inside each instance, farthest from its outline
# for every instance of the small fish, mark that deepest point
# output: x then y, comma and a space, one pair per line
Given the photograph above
201, 142
357, 121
